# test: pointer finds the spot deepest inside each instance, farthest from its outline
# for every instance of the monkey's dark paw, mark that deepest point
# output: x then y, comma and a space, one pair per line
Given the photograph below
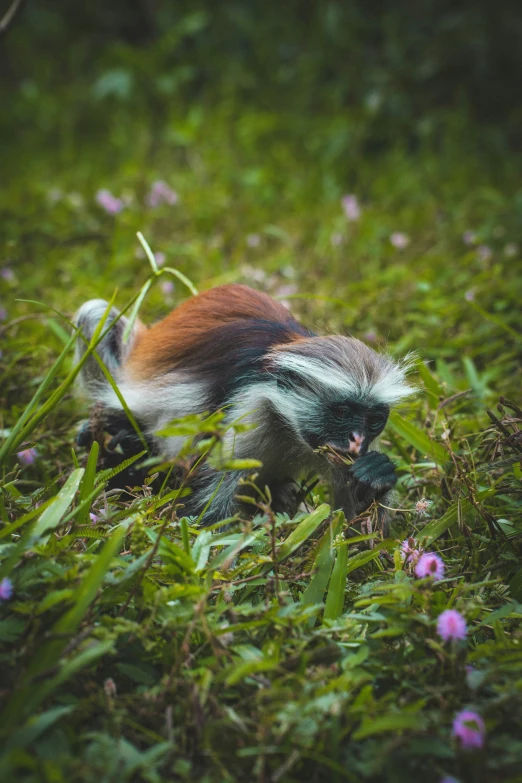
372, 477
84, 437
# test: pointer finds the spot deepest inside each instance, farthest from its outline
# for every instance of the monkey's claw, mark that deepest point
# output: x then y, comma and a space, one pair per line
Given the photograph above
372, 477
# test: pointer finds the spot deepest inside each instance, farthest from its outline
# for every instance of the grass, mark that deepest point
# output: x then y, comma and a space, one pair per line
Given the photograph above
137, 646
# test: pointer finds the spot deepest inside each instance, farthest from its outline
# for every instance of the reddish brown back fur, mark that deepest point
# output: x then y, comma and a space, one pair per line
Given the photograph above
177, 339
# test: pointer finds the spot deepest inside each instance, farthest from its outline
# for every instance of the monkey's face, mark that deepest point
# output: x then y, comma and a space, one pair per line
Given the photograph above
345, 427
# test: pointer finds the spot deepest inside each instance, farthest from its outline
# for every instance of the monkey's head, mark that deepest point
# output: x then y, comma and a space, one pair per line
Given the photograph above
336, 393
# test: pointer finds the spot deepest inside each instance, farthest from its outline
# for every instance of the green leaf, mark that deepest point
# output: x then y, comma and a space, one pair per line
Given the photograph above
303, 531
385, 723
437, 527
53, 514
36, 725
336, 589
417, 438
241, 464
87, 485
362, 558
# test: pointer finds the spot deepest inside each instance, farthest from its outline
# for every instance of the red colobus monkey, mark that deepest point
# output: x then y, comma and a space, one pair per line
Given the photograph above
236, 348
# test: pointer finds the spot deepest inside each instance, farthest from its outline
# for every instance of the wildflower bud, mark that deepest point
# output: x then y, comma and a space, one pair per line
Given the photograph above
109, 686
451, 625
469, 729
6, 589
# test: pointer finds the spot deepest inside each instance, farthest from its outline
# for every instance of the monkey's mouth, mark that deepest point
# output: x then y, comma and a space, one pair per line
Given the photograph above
336, 455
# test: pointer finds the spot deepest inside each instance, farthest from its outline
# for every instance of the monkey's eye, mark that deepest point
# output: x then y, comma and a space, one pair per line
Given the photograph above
376, 421
339, 411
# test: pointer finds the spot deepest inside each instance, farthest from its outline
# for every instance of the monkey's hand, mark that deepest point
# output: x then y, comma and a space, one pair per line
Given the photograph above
371, 477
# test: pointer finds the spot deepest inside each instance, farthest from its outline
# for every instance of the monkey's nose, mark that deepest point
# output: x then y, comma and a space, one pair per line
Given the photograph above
355, 442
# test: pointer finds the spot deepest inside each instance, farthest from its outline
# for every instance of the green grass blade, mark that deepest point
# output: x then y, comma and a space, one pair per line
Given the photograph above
183, 279
417, 438
437, 527
31, 692
15, 438
87, 485
336, 589
323, 564
136, 308
303, 531
148, 252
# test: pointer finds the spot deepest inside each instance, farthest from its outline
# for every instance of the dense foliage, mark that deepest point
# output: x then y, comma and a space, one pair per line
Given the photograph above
302, 154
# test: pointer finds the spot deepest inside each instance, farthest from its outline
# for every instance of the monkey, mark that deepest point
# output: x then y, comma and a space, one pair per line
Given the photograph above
315, 403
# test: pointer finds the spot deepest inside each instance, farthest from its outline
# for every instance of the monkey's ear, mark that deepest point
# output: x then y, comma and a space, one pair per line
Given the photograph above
112, 350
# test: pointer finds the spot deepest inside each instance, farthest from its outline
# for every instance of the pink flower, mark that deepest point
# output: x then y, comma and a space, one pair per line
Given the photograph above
93, 518
351, 207
469, 238
6, 589
167, 287
253, 240
484, 252
422, 506
430, 564
371, 336
469, 728
108, 202
27, 457
410, 550
451, 625
399, 240
336, 239
161, 193
469, 296
160, 258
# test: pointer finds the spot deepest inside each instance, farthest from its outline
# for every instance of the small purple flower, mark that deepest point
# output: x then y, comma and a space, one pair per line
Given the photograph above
93, 518
469, 238
167, 288
108, 202
253, 240
161, 193
511, 250
469, 728
7, 274
371, 336
399, 240
27, 457
469, 296
430, 564
351, 208
337, 239
6, 589
484, 253
3, 313
451, 625
160, 258
410, 550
